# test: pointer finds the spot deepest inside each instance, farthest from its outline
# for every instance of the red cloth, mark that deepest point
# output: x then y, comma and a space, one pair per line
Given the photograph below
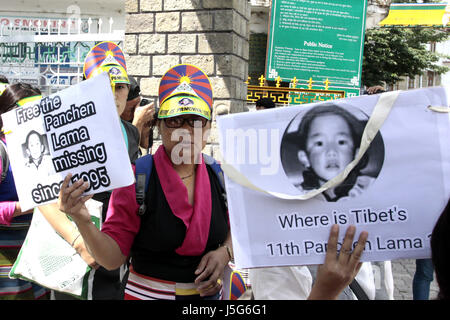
196, 218
7, 211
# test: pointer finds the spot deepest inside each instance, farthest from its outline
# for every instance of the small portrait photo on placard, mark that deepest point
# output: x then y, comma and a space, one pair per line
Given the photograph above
37, 154
320, 142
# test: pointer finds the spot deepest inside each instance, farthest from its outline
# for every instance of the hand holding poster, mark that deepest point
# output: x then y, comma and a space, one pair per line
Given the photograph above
395, 189
76, 130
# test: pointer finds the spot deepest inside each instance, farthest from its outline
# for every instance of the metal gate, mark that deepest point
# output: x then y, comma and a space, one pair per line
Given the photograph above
50, 53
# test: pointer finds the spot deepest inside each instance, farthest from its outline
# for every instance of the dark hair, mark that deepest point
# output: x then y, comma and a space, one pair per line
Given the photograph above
13, 94
265, 102
310, 178
3, 79
440, 253
135, 90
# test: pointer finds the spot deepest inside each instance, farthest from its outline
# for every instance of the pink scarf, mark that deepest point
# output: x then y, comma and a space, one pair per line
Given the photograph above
196, 218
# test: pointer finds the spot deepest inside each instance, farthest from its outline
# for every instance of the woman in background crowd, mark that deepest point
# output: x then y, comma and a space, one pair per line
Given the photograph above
14, 222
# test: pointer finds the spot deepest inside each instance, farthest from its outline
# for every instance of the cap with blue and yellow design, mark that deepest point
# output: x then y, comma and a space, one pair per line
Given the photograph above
185, 89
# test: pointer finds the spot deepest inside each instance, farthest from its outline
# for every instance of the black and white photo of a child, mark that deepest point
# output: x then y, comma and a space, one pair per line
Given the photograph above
37, 156
324, 143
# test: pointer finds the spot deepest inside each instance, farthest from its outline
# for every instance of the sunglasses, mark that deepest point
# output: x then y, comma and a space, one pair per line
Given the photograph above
178, 122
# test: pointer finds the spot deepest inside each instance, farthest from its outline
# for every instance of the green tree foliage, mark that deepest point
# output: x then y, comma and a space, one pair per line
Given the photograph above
391, 53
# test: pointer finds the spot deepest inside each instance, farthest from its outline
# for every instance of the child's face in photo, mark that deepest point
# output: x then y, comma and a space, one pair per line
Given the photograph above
34, 146
329, 147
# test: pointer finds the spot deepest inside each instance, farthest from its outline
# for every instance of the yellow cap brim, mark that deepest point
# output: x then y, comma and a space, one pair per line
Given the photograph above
184, 104
24, 101
117, 73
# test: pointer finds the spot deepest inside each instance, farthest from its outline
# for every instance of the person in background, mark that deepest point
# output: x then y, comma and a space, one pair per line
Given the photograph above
14, 222
133, 100
182, 241
141, 113
265, 103
109, 284
422, 279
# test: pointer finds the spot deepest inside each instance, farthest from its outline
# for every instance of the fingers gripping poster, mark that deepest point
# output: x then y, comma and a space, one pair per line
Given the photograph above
76, 130
395, 191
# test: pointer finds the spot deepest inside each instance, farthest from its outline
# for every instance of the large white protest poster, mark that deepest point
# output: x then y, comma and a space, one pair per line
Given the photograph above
76, 130
395, 192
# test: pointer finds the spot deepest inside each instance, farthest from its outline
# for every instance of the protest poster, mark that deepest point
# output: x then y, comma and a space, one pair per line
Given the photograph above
396, 189
50, 261
76, 130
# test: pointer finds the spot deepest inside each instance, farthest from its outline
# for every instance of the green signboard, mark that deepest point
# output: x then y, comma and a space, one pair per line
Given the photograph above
319, 41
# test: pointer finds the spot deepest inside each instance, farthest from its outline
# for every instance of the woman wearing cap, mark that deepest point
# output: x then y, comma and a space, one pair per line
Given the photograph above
103, 57
14, 222
181, 245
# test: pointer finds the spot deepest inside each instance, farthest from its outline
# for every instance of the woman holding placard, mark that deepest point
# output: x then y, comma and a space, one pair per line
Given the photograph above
182, 241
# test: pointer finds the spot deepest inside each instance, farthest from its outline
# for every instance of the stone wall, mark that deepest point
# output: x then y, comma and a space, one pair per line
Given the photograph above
211, 34
377, 10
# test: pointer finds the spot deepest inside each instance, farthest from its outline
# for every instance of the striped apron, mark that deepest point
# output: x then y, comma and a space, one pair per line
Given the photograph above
141, 287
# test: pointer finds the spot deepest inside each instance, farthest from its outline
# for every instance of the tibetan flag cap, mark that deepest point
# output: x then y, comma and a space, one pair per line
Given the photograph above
106, 57
185, 89
26, 100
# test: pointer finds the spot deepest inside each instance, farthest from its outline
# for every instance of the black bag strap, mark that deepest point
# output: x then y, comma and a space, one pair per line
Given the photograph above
358, 290
140, 193
5, 160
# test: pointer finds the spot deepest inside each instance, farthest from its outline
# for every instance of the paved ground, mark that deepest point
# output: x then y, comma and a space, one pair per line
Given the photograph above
403, 271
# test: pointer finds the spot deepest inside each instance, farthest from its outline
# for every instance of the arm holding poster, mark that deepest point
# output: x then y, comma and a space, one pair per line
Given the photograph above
102, 247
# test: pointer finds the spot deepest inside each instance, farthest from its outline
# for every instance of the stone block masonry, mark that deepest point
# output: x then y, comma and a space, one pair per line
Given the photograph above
211, 34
